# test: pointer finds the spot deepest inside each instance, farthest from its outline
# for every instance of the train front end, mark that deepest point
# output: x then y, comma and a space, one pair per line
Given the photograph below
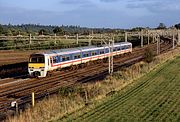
37, 65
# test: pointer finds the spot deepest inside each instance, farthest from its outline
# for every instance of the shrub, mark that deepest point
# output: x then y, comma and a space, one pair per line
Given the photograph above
148, 55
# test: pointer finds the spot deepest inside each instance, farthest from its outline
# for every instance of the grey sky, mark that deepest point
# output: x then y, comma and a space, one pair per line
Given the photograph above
91, 13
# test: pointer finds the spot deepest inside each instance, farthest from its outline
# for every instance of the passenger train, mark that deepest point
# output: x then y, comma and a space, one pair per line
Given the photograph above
41, 63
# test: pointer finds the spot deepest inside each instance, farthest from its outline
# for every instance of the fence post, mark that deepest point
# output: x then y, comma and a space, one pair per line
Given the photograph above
30, 40
126, 37
33, 99
142, 40
55, 38
89, 40
148, 37
178, 37
77, 38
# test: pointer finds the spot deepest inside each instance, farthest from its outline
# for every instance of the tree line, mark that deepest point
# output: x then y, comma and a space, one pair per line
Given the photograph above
37, 29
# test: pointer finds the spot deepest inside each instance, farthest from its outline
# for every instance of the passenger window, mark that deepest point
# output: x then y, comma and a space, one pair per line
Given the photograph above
102, 52
68, 58
107, 50
93, 53
54, 59
77, 56
86, 55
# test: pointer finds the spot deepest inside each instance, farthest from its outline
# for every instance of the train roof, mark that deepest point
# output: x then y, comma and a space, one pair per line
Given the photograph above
79, 49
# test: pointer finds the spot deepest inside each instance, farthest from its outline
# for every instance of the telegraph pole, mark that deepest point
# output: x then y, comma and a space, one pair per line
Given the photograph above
148, 37
126, 38
178, 37
142, 38
110, 57
77, 38
173, 40
111, 45
158, 44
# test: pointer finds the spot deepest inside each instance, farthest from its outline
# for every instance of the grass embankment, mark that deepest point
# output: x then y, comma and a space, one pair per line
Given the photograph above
154, 97
74, 99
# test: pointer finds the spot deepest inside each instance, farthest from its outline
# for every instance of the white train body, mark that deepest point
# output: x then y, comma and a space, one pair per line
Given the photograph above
41, 63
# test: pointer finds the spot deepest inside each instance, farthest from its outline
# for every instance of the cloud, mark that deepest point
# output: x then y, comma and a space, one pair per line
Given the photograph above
74, 2
109, 1
155, 6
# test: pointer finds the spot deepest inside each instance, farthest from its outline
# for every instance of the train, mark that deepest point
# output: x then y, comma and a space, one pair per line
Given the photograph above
41, 63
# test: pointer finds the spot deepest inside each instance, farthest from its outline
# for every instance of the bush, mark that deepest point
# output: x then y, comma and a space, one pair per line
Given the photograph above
148, 55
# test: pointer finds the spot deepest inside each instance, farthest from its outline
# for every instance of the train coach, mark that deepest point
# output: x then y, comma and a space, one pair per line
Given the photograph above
41, 63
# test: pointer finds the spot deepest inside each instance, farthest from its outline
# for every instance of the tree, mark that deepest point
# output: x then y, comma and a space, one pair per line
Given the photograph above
58, 31
177, 26
148, 55
1, 29
42, 32
161, 26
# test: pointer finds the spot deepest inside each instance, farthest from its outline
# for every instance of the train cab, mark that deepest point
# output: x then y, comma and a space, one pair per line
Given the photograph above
37, 65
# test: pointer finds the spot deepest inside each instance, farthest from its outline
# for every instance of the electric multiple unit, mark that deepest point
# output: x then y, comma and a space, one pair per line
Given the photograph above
41, 63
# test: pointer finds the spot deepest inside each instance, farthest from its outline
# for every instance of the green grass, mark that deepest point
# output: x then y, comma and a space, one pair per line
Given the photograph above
154, 97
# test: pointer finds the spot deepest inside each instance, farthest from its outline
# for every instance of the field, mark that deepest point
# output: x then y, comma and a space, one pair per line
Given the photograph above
154, 97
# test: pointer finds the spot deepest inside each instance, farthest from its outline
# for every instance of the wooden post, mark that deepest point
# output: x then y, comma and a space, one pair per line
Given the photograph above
30, 39
148, 37
126, 37
158, 45
17, 110
89, 40
33, 99
178, 37
86, 98
77, 38
55, 38
153, 38
173, 40
142, 41
101, 39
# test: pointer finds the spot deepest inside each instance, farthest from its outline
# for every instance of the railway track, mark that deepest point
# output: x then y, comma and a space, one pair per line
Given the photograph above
20, 91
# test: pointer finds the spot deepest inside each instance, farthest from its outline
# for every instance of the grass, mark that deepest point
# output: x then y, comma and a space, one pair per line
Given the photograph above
71, 104
154, 97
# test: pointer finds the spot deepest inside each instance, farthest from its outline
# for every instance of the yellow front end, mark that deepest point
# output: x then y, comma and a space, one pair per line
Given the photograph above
37, 69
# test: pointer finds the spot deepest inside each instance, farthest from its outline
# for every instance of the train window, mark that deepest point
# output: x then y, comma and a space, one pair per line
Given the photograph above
86, 55
101, 51
118, 48
122, 47
37, 59
67, 58
77, 56
95, 53
107, 50
63, 58
92, 53
114, 49
54, 59
59, 58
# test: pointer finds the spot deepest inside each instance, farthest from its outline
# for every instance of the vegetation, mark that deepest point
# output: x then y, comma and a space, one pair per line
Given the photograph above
155, 97
148, 55
72, 102
26, 29
177, 26
161, 26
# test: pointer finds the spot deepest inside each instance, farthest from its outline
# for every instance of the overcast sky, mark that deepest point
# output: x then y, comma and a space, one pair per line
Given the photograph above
91, 13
